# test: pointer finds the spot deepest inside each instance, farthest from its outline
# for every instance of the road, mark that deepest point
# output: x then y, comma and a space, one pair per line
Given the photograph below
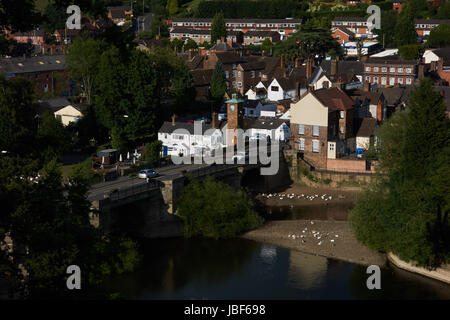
98, 190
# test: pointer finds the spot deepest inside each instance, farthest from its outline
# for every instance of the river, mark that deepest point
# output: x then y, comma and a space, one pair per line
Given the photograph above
245, 269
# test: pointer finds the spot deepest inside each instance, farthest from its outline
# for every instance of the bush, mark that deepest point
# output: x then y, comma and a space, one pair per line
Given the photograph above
213, 209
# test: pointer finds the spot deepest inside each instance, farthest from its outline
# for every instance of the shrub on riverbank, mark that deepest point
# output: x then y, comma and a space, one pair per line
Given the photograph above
406, 209
213, 209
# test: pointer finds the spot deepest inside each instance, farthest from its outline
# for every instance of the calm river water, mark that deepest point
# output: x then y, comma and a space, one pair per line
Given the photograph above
244, 269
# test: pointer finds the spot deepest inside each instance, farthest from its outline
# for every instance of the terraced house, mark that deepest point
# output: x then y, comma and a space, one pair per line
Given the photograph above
390, 71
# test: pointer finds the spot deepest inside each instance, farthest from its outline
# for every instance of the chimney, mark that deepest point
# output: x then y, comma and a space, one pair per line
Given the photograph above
440, 64
174, 119
308, 68
333, 69
282, 64
380, 112
421, 73
230, 42
215, 120
264, 77
366, 86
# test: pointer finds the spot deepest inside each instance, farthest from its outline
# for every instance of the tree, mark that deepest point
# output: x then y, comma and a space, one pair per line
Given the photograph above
267, 45
18, 120
386, 34
444, 10
52, 138
405, 30
159, 28
411, 51
218, 28
54, 18
172, 7
406, 210
213, 209
153, 152
183, 85
127, 99
439, 36
218, 82
190, 44
48, 222
82, 61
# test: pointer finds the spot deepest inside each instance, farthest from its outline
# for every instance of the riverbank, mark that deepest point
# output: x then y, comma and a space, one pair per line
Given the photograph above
298, 195
331, 239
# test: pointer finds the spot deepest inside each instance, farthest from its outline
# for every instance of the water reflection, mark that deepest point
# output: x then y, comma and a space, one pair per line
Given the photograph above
244, 269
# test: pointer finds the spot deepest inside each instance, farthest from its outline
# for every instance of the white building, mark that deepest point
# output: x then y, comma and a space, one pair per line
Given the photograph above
276, 129
281, 89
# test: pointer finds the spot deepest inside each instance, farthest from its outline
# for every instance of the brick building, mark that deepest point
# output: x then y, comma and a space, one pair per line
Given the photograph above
390, 71
342, 34
358, 25
321, 123
45, 72
199, 35
256, 37
424, 26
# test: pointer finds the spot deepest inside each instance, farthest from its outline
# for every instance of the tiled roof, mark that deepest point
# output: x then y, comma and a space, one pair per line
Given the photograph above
372, 96
296, 21
367, 127
390, 60
202, 77
346, 31
352, 19
195, 62
168, 127
443, 53
228, 57
287, 83
334, 98
260, 34
355, 67
190, 31
268, 123
255, 65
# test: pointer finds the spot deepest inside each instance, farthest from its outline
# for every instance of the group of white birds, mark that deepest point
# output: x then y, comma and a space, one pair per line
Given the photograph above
282, 196
317, 235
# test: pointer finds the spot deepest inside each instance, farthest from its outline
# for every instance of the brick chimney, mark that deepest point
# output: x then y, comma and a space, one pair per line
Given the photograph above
308, 68
333, 67
380, 112
421, 71
282, 64
366, 86
174, 119
215, 120
440, 64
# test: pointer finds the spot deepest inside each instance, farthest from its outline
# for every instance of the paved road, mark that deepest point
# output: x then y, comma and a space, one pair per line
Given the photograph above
98, 190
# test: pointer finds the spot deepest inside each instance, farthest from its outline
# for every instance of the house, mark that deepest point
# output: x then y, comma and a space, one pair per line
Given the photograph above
390, 71
258, 92
369, 104
119, 14
358, 25
257, 37
424, 26
342, 34
256, 109
344, 67
202, 83
337, 73
271, 128
190, 138
47, 73
321, 123
396, 98
200, 35
283, 26
439, 62
365, 135
35, 37
281, 89
62, 109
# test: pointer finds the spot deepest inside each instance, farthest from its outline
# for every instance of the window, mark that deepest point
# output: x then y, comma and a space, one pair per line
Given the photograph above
383, 80
227, 74
408, 70
408, 80
384, 69
400, 70
368, 69
301, 144
301, 129
375, 79
341, 130
274, 88
400, 80
368, 78
342, 114
391, 69
239, 74
375, 69
315, 146
316, 131
331, 146
178, 137
239, 84
58, 117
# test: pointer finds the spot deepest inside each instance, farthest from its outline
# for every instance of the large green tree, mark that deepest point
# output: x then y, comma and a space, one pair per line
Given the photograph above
52, 137
406, 210
82, 61
439, 37
213, 209
218, 28
218, 82
172, 7
405, 30
386, 33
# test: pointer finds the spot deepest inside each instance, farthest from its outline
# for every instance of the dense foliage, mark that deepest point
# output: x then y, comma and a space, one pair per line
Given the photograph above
440, 36
218, 28
406, 209
218, 82
213, 209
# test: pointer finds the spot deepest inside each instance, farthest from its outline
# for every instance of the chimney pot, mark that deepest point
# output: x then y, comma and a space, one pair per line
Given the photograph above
174, 119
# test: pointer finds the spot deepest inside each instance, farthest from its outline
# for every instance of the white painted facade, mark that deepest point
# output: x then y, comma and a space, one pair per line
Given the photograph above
275, 92
68, 114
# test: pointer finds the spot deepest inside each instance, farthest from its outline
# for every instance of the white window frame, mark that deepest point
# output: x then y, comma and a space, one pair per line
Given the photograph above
316, 131
316, 143
301, 144
301, 129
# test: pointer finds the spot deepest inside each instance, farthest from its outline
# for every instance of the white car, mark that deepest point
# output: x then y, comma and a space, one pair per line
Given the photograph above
147, 173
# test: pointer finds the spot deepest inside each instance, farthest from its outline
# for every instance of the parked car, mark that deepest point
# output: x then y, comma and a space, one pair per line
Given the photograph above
148, 173
222, 116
